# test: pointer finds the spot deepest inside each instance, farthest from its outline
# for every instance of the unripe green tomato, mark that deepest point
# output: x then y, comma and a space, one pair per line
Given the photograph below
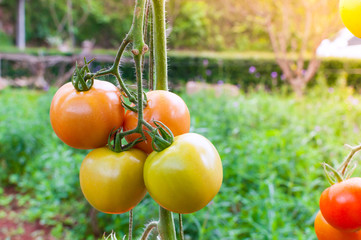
350, 11
186, 176
113, 182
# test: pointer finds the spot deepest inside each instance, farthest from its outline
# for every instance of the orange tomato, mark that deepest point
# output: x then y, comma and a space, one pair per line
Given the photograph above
325, 231
162, 106
84, 119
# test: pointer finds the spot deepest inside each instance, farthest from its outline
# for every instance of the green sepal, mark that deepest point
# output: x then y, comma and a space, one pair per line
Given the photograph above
82, 78
164, 130
332, 175
115, 143
128, 107
162, 136
350, 171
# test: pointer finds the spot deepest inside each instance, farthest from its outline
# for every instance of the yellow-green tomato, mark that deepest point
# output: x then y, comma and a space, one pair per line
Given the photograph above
350, 11
186, 176
113, 182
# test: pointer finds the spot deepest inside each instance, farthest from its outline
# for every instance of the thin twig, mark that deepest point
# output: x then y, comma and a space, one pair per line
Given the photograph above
181, 227
148, 229
151, 50
345, 164
130, 233
146, 17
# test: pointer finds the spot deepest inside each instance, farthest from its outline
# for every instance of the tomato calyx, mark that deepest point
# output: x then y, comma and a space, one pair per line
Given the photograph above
345, 171
332, 175
115, 141
134, 107
162, 136
82, 79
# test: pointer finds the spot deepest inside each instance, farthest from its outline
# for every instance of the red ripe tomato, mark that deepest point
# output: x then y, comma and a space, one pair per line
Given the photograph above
340, 205
325, 231
84, 119
162, 106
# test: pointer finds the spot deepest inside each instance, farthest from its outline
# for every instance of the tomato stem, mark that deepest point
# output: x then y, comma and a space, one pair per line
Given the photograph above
138, 70
145, 26
166, 227
342, 169
115, 69
130, 233
148, 229
160, 45
181, 233
151, 49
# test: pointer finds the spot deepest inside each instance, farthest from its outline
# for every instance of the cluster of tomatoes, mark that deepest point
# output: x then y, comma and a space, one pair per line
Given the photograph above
339, 217
182, 178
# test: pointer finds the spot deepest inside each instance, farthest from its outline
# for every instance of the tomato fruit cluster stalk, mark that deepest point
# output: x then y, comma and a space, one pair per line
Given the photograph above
339, 217
182, 171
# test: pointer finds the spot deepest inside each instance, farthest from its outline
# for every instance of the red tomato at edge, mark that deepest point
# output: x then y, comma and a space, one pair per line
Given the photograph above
340, 205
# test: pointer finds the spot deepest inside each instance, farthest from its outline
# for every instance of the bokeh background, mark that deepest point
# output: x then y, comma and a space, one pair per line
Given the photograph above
275, 85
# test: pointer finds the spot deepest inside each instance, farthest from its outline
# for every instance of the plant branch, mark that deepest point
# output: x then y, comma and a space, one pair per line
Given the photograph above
347, 161
130, 233
166, 225
160, 45
181, 233
151, 50
148, 229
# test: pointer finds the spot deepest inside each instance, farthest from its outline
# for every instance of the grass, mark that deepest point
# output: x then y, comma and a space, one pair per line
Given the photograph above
271, 147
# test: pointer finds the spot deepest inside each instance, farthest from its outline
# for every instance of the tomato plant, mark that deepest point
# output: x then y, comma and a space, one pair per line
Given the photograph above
340, 204
162, 106
113, 182
84, 119
186, 176
186, 173
325, 231
350, 11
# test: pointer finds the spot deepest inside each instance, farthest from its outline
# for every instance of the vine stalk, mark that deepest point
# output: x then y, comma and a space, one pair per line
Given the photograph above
166, 227
347, 161
160, 45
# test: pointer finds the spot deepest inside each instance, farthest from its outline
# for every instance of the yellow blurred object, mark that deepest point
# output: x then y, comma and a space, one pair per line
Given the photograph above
350, 11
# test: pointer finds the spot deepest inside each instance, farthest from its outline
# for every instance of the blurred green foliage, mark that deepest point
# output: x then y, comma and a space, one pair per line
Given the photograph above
5, 40
192, 24
247, 70
271, 146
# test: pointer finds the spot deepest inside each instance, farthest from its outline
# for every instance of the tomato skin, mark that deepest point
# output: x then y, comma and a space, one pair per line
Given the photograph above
325, 231
340, 205
113, 182
350, 11
186, 176
84, 120
163, 106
